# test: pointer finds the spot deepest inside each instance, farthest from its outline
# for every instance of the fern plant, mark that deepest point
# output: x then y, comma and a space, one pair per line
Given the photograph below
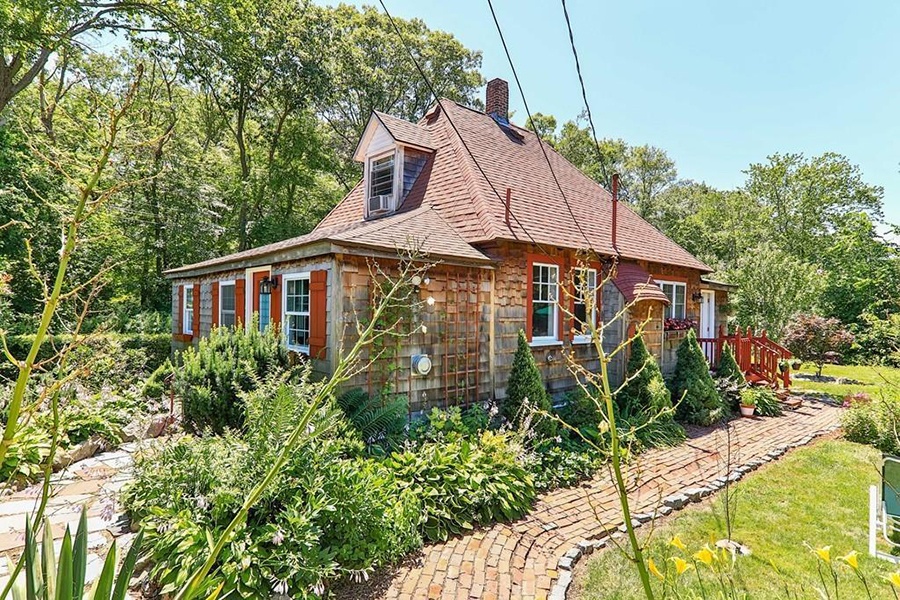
378, 419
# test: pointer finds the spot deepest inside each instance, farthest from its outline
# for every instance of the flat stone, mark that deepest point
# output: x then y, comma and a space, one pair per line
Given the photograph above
586, 546
574, 553
664, 510
693, 494
676, 501
565, 564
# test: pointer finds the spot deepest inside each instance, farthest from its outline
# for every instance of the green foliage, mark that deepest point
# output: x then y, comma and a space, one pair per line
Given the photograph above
43, 576
877, 341
874, 422
377, 419
25, 457
525, 386
818, 340
330, 511
155, 386
728, 367
579, 411
211, 377
693, 387
645, 391
763, 398
465, 483
561, 463
452, 424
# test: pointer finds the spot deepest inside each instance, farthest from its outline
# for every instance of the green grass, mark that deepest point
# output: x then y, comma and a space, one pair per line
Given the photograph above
875, 380
816, 495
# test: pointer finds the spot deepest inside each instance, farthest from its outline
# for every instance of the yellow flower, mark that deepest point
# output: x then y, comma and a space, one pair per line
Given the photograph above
681, 565
894, 578
678, 543
851, 560
652, 566
705, 556
824, 553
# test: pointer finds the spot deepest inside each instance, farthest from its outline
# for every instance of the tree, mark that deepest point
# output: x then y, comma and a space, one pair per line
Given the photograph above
645, 389
33, 31
728, 367
544, 127
773, 286
817, 339
369, 69
805, 199
697, 400
525, 390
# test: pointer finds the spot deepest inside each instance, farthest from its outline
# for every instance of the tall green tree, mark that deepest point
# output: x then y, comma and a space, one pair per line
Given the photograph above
369, 69
806, 198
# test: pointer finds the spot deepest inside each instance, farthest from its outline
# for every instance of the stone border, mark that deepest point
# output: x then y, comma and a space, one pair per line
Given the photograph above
566, 565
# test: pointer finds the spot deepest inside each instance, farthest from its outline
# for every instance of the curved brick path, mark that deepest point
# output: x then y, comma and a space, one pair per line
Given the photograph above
519, 560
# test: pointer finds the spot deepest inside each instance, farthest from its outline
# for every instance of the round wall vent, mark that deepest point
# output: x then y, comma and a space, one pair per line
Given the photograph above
421, 364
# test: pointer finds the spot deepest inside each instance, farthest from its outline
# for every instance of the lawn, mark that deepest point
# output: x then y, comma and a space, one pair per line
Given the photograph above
814, 496
873, 380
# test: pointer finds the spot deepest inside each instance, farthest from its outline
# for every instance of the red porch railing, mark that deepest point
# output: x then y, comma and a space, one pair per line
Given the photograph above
756, 355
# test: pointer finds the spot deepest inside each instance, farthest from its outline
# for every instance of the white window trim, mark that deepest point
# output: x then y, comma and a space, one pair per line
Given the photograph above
285, 277
397, 152
223, 284
586, 338
674, 283
188, 293
546, 340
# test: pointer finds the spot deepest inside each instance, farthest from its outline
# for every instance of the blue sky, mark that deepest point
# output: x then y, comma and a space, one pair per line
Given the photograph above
717, 84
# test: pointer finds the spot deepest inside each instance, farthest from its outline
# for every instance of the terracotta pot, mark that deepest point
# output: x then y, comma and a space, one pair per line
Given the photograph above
747, 411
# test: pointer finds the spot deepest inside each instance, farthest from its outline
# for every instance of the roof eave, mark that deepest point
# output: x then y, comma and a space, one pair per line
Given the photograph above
306, 250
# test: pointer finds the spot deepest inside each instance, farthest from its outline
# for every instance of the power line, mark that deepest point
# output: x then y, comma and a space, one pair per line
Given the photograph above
534, 127
587, 105
453, 125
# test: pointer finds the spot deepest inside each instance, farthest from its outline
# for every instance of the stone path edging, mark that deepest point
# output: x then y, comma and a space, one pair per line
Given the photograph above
566, 565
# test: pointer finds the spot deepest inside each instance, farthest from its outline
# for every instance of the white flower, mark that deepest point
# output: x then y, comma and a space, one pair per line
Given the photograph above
279, 586
430, 301
278, 537
424, 328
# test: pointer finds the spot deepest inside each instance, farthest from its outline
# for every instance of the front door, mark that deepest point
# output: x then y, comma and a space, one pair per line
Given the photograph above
258, 305
708, 321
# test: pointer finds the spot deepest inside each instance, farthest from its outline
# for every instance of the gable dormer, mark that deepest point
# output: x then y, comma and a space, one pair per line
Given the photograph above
393, 153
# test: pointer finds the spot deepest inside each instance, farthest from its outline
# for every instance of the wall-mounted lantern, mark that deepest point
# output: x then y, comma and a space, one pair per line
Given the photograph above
697, 296
266, 285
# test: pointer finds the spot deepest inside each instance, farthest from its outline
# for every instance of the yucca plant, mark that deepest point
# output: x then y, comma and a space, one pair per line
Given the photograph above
41, 576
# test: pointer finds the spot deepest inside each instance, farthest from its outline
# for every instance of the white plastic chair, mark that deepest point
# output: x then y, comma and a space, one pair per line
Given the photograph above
884, 509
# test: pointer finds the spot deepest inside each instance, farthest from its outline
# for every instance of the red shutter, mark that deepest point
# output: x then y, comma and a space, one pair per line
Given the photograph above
275, 303
318, 307
239, 302
215, 303
196, 331
179, 310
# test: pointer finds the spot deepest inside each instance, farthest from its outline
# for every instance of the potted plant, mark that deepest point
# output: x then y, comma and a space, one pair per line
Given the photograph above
748, 402
783, 365
796, 364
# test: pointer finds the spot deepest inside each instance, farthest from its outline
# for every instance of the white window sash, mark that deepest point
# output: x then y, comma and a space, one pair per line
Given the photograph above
222, 311
286, 314
187, 313
553, 304
670, 310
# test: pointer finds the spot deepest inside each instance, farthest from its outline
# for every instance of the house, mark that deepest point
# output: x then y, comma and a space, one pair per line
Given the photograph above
478, 194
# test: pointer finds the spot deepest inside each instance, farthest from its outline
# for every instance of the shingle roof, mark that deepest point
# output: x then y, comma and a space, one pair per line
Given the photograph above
454, 185
636, 284
406, 132
422, 229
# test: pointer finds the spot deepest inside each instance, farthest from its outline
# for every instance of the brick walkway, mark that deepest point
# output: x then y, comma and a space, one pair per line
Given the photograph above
519, 560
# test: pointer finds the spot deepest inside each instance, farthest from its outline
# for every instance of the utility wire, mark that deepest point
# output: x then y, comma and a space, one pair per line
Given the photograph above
534, 127
587, 105
453, 125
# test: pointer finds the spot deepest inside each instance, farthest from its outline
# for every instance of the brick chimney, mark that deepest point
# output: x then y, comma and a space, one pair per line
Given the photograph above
496, 99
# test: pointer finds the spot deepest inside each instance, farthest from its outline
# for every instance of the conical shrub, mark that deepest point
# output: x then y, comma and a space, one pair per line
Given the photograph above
728, 367
693, 388
643, 392
525, 383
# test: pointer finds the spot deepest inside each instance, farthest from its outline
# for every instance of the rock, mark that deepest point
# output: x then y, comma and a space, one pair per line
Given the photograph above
574, 553
676, 501
693, 494
565, 564
82, 451
586, 547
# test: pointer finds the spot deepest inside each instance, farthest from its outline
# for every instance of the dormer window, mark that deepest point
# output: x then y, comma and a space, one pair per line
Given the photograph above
382, 175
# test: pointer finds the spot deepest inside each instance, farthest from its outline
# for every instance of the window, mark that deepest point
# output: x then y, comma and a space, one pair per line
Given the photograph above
585, 282
187, 316
544, 309
226, 304
381, 184
296, 312
675, 292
